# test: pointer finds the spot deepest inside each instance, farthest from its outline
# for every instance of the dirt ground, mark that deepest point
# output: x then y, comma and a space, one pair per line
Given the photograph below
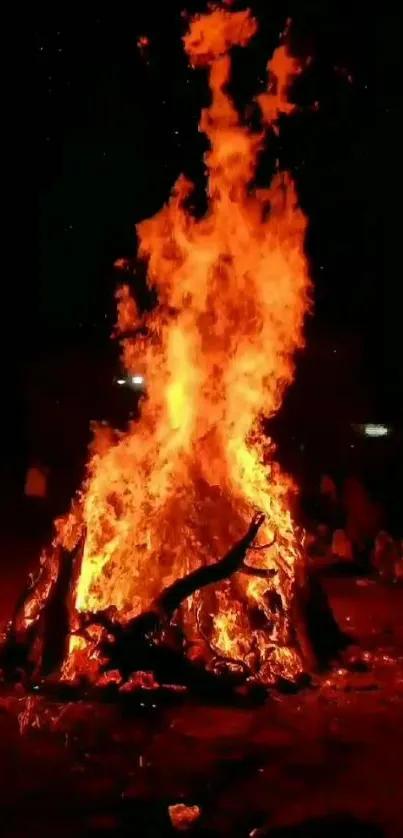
324, 762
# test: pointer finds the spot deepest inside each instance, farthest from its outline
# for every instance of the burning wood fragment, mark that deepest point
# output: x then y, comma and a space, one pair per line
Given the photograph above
183, 817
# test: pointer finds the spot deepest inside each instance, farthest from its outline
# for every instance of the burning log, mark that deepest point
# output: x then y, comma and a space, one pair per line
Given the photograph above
37, 635
137, 644
171, 598
39, 631
134, 645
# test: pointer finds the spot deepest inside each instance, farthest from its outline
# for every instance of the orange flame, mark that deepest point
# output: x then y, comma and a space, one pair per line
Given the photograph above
178, 488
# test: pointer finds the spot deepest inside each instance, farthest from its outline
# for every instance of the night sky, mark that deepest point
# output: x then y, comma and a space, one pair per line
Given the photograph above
104, 130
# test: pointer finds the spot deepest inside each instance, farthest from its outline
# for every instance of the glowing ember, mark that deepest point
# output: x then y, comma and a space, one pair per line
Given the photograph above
176, 490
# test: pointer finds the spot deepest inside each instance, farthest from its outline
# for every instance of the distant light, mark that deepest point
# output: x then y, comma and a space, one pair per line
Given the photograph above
132, 381
376, 430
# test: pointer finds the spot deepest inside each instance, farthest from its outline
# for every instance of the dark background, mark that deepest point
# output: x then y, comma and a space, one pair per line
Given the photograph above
97, 132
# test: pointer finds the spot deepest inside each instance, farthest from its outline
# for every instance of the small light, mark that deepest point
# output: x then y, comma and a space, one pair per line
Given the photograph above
137, 380
376, 430
121, 382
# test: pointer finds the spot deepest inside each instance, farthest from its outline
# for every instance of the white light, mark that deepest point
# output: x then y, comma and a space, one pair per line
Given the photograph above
121, 381
137, 380
376, 430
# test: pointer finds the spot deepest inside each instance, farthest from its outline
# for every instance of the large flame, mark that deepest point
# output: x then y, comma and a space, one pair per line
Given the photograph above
180, 486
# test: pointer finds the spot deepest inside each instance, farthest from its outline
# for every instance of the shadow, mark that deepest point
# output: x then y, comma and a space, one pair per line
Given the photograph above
330, 826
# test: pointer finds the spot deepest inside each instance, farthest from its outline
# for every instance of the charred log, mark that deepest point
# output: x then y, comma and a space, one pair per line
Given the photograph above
18, 654
327, 639
56, 615
37, 634
317, 633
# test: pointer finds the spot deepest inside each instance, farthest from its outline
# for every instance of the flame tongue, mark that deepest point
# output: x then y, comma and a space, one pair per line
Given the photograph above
177, 489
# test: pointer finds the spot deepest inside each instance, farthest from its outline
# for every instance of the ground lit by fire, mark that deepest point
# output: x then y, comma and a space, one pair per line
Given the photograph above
178, 488
323, 762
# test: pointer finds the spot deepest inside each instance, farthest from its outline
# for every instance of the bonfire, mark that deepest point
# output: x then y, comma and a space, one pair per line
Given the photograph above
181, 546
